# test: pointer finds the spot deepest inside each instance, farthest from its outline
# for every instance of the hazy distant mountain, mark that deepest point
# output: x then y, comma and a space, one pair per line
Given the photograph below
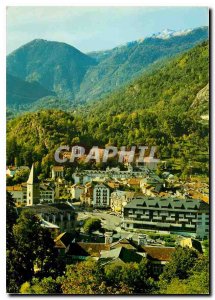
79, 77
57, 66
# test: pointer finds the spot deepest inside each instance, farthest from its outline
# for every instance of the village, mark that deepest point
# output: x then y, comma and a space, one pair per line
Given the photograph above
136, 213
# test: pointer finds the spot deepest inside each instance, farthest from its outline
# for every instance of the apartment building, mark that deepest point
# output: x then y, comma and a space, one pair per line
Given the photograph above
184, 216
101, 196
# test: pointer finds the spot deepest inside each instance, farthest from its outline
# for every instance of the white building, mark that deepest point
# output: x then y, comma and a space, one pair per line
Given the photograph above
76, 191
46, 194
115, 173
101, 196
33, 189
57, 172
182, 216
19, 193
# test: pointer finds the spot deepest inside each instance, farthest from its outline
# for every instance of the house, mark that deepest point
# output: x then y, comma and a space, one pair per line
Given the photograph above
76, 191
57, 172
11, 171
151, 185
63, 241
133, 182
86, 197
46, 193
101, 196
81, 251
53, 228
119, 255
119, 199
191, 243
19, 193
158, 256
183, 216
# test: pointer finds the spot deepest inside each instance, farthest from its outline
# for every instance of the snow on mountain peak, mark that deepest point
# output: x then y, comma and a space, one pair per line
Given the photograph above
168, 33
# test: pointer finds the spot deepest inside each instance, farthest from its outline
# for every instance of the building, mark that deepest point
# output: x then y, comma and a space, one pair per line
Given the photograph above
191, 243
119, 255
76, 191
57, 172
61, 214
80, 251
114, 173
185, 216
11, 171
86, 198
19, 193
119, 199
63, 241
101, 196
46, 193
151, 185
158, 256
33, 190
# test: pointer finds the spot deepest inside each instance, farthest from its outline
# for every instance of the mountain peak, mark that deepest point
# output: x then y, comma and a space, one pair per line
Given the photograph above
168, 33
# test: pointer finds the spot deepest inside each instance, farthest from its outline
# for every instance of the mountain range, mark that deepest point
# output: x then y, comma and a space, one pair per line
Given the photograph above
59, 73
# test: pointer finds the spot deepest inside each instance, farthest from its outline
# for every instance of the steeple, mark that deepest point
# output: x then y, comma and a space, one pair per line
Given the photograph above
33, 188
32, 177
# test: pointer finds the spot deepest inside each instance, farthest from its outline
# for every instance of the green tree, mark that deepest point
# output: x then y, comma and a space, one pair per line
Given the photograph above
88, 278
46, 285
183, 260
135, 276
11, 216
33, 253
197, 282
91, 225
21, 176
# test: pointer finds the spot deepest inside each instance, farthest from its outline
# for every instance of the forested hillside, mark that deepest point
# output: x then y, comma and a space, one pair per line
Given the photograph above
27, 93
156, 109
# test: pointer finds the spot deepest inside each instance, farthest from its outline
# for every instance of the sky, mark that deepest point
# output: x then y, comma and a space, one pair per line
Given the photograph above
96, 28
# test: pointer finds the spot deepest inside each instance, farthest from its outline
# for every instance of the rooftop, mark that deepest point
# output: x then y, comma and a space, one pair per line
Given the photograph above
167, 203
159, 253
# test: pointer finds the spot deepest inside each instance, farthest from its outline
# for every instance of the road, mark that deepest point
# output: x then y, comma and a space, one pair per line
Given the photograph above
110, 222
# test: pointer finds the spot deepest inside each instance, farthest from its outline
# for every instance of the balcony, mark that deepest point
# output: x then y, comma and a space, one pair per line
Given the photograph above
170, 219
176, 225
132, 216
157, 218
144, 217
190, 216
183, 220
190, 226
164, 214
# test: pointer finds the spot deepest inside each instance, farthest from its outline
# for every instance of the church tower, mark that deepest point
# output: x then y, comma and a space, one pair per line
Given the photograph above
33, 188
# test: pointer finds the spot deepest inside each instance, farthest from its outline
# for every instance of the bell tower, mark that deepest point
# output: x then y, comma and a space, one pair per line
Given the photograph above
33, 188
